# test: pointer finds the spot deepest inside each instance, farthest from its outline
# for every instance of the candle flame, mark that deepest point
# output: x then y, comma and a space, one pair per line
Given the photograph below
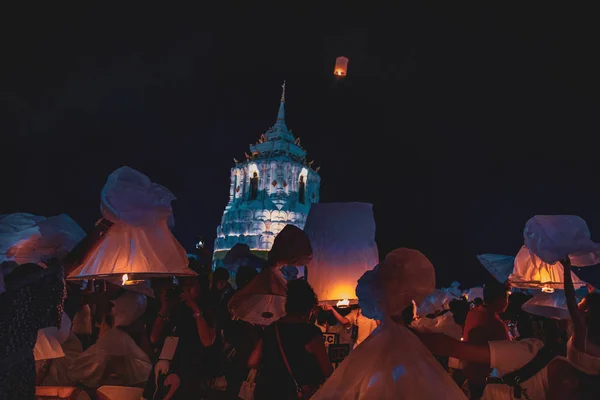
343, 303
124, 279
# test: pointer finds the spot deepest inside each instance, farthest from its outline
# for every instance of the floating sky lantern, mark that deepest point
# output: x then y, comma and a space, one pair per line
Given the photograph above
342, 236
341, 66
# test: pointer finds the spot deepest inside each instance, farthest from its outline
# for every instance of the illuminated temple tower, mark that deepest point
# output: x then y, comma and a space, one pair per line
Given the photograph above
274, 187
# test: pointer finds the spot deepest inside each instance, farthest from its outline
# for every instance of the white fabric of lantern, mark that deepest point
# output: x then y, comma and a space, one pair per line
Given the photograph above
128, 308
131, 197
548, 305
497, 265
443, 324
28, 238
114, 359
436, 301
149, 251
49, 340
342, 236
554, 237
58, 372
140, 242
454, 289
530, 272
262, 300
404, 275
474, 293
392, 363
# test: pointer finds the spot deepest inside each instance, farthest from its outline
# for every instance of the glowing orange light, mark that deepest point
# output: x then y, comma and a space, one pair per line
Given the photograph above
126, 281
341, 66
343, 303
547, 289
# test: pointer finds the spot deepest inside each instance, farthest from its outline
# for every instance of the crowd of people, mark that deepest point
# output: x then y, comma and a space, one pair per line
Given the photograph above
502, 352
193, 332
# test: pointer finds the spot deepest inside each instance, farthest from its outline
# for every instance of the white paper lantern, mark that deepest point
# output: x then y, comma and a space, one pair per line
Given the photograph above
530, 272
139, 244
497, 265
554, 237
342, 236
549, 305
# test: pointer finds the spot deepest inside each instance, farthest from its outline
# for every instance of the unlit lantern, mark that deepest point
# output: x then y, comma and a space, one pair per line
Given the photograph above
341, 66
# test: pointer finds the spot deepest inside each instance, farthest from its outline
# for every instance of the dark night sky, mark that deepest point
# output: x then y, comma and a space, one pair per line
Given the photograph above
459, 122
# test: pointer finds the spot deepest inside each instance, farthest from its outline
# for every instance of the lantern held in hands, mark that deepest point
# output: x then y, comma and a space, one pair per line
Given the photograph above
342, 236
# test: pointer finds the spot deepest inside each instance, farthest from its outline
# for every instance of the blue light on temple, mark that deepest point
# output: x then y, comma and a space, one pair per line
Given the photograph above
273, 187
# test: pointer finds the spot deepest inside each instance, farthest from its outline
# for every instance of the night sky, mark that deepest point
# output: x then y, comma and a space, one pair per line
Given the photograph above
458, 122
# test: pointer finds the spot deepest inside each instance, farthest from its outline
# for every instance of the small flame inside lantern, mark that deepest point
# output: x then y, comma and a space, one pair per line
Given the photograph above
341, 66
126, 281
547, 289
343, 303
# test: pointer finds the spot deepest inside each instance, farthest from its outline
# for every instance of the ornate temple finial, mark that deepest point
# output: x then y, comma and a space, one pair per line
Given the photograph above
281, 112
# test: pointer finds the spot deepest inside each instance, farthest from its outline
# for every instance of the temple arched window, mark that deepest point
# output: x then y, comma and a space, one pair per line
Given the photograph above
253, 186
302, 190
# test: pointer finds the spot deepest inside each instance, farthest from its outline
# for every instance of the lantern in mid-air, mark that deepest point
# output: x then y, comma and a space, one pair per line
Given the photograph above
341, 66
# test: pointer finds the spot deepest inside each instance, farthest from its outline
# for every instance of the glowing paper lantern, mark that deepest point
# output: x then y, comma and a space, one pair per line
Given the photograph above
530, 272
262, 300
341, 66
554, 237
139, 244
342, 236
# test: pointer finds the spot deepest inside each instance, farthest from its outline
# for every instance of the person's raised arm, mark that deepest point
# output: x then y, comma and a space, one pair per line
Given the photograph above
342, 320
579, 325
206, 333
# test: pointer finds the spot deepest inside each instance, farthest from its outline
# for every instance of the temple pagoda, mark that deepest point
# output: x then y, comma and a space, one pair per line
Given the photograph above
273, 187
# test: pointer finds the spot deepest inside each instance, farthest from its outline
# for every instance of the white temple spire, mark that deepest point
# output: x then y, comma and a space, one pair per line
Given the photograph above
281, 113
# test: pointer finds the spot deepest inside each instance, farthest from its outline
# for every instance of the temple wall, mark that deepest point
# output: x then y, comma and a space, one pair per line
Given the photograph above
256, 222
